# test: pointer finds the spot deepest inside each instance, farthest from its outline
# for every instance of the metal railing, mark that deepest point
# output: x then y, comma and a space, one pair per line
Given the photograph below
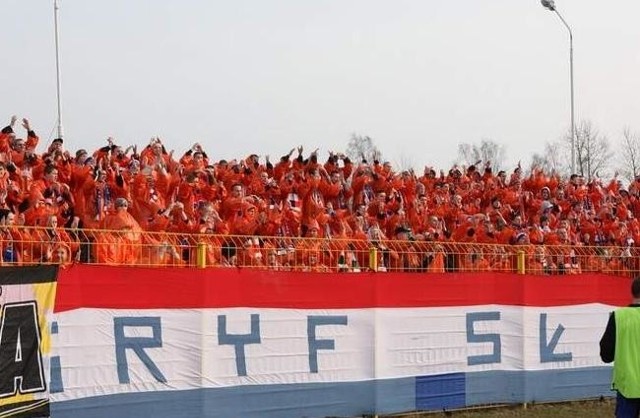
36, 245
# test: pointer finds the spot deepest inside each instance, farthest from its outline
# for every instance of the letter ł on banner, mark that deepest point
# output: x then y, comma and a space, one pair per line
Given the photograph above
315, 344
239, 340
27, 296
547, 348
472, 337
137, 344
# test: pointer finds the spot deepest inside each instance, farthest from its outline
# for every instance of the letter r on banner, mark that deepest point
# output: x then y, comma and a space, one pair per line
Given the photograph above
137, 344
314, 321
239, 340
472, 337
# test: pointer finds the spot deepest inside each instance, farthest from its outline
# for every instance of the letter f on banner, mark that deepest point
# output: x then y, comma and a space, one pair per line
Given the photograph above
315, 344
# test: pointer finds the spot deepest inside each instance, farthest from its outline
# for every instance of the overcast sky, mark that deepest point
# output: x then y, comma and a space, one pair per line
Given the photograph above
263, 76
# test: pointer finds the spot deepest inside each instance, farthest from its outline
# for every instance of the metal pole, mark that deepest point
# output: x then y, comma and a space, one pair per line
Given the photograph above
573, 121
521, 264
573, 124
55, 20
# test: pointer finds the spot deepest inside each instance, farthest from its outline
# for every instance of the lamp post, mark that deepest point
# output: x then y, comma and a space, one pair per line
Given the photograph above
550, 5
55, 22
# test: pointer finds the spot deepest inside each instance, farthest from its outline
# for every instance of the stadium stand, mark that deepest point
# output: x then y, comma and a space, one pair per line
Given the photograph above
120, 205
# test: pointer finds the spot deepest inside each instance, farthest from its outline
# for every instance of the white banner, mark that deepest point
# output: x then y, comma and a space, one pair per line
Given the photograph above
105, 352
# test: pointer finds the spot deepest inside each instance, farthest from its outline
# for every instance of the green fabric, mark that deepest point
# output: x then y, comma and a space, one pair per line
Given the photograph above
626, 369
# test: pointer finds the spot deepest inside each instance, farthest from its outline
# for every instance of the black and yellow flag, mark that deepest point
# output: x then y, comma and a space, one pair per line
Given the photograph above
27, 296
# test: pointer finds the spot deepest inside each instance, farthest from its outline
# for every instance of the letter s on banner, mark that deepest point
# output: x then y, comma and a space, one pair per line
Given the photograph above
472, 337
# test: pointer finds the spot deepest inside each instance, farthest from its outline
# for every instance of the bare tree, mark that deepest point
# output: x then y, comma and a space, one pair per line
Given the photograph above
629, 155
593, 152
362, 148
486, 150
405, 162
551, 160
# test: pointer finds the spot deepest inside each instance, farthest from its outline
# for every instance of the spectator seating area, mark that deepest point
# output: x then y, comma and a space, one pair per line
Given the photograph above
117, 205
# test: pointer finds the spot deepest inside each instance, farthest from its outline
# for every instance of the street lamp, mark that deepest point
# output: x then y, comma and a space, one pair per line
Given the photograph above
550, 4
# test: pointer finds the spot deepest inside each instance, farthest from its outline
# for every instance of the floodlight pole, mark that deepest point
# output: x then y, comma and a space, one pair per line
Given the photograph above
58, 88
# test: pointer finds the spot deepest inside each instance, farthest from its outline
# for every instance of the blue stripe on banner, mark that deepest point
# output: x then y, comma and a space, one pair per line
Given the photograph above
539, 385
455, 390
445, 391
251, 401
393, 395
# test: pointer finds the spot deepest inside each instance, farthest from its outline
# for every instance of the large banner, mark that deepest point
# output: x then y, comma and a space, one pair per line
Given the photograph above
26, 303
173, 343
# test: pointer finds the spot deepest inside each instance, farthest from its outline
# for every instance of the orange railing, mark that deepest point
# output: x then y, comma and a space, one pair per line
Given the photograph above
33, 245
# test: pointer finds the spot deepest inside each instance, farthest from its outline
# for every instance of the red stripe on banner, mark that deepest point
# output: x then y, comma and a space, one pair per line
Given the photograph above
83, 286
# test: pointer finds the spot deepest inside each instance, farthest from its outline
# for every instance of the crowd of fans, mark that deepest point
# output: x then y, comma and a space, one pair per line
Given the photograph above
345, 207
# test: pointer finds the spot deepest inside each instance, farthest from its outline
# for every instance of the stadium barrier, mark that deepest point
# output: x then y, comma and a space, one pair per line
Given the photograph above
183, 343
34, 245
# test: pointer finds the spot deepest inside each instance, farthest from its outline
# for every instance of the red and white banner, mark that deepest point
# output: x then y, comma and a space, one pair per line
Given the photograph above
135, 341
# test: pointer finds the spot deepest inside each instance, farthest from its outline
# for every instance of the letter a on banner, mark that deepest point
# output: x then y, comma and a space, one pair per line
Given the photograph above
27, 295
